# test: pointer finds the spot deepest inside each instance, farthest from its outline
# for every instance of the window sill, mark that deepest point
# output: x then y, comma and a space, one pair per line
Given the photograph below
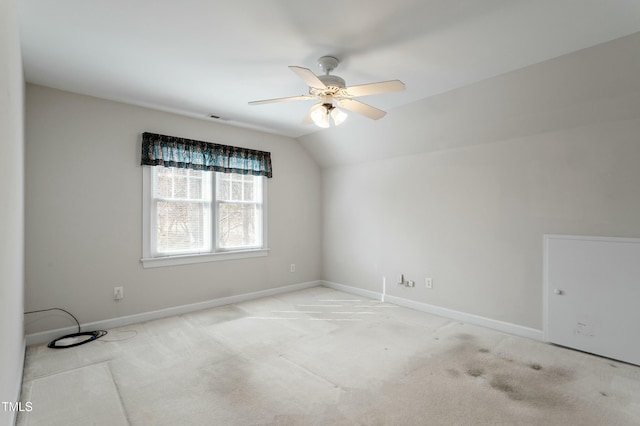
157, 262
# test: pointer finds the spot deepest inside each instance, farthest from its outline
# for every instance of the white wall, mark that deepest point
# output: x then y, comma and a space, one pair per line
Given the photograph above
84, 212
461, 187
11, 208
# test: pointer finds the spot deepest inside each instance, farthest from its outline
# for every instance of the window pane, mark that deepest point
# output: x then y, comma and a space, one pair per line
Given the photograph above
195, 188
182, 227
248, 190
180, 185
236, 190
238, 225
163, 182
223, 187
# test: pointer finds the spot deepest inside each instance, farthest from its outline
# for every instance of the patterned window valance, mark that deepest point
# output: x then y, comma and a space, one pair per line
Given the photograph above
171, 151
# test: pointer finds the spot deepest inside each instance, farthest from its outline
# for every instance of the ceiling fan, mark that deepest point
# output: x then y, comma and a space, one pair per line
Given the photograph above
333, 93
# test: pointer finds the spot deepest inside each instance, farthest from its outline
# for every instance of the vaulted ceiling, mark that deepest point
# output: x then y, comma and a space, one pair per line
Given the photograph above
202, 57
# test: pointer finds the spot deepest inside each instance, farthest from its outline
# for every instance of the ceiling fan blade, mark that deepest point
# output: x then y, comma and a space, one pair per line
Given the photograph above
375, 88
308, 76
290, 98
361, 108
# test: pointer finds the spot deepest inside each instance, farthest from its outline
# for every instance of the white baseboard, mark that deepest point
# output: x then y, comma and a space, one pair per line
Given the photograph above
47, 336
505, 327
353, 290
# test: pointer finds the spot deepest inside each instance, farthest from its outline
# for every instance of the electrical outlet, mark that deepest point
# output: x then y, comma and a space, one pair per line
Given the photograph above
118, 293
292, 268
411, 283
428, 282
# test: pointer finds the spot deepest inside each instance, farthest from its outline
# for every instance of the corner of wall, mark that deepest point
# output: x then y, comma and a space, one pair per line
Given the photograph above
12, 279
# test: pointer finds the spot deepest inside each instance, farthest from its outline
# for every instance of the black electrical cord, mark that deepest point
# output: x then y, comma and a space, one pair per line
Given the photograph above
92, 335
56, 309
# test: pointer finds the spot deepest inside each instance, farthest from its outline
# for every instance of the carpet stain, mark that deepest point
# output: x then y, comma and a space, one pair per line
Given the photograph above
466, 371
475, 372
529, 383
502, 384
453, 372
465, 336
524, 382
557, 375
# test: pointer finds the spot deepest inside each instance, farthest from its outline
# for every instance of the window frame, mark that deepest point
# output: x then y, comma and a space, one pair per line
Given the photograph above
150, 257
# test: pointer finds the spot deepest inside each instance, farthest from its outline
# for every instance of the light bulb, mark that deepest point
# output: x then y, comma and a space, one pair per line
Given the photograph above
320, 116
324, 122
338, 116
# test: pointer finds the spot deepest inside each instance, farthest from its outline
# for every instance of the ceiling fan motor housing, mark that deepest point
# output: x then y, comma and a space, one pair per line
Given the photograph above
332, 81
334, 85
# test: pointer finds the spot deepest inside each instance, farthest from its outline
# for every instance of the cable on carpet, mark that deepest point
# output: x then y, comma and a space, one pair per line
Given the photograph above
74, 339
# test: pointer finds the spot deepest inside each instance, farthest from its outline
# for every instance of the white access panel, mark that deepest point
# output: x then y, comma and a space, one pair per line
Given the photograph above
592, 295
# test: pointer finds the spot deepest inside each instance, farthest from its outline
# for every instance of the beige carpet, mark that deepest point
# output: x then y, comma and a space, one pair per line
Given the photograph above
322, 357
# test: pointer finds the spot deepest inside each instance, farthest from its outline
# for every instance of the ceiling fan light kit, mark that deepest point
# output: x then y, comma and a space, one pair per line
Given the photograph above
338, 116
331, 88
320, 114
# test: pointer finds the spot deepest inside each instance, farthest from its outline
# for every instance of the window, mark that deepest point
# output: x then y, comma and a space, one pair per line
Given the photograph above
180, 211
238, 211
198, 216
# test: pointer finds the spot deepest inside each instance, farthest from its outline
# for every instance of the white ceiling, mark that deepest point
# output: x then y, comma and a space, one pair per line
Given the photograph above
201, 57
